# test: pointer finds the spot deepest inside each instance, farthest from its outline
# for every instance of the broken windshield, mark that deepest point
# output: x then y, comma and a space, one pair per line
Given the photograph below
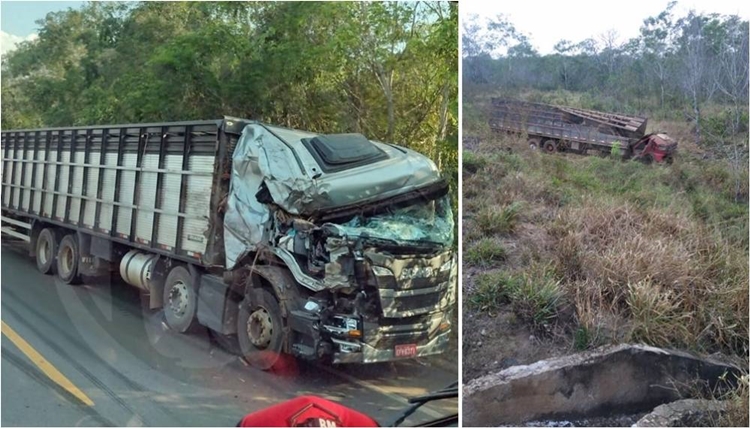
424, 221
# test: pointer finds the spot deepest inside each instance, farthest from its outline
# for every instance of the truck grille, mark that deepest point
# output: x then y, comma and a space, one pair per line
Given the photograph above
409, 286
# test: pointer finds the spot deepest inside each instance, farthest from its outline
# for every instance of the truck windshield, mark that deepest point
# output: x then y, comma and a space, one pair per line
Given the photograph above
423, 221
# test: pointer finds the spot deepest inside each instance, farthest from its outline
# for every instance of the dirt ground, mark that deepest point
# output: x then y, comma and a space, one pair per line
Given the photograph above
496, 341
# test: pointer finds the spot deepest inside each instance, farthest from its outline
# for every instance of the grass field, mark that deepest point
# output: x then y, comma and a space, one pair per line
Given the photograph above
580, 251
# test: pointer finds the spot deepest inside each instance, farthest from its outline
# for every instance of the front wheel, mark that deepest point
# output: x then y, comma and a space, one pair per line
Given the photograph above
260, 329
180, 300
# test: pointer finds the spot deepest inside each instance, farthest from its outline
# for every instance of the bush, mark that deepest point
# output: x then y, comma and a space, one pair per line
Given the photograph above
485, 252
473, 163
616, 151
536, 300
491, 291
493, 220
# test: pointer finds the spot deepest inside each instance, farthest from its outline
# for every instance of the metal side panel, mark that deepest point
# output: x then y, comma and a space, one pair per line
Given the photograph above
108, 192
147, 199
62, 185
18, 165
77, 189
7, 178
198, 203
92, 181
26, 197
38, 181
170, 201
126, 193
49, 184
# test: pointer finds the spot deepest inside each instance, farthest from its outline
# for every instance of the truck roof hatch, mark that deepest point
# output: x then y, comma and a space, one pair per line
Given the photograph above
336, 152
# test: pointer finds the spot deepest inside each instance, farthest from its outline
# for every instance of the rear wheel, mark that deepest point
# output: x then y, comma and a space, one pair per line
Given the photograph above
68, 260
550, 146
180, 300
534, 143
46, 251
260, 330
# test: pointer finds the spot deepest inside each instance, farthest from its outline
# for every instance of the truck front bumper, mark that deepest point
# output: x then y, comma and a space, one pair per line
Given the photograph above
369, 354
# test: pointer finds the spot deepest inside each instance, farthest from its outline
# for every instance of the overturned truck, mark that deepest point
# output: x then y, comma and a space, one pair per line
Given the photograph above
557, 129
325, 247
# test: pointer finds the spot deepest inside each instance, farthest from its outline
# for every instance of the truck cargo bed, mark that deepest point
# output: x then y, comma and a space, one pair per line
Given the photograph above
563, 123
154, 186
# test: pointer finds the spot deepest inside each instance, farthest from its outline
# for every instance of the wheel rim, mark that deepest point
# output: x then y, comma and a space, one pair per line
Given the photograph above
44, 251
549, 147
178, 298
260, 328
66, 259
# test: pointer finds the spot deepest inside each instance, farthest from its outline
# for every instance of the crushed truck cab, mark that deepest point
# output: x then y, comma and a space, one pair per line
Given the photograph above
366, 231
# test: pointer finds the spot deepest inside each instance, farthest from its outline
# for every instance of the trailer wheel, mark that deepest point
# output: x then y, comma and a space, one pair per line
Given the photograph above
550, 146
68, 259
534, 143
180, 300
46, 251
260, 330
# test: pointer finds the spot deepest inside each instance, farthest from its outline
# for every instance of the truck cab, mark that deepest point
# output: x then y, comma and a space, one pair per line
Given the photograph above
344, 245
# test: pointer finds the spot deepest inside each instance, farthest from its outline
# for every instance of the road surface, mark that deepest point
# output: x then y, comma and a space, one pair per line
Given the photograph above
90, 355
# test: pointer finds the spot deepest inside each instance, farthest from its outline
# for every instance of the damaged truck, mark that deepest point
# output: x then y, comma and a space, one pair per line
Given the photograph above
326, 247
555, 128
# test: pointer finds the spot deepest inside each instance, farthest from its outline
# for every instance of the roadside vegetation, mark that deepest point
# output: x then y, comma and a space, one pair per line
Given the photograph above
598, 250
652, 254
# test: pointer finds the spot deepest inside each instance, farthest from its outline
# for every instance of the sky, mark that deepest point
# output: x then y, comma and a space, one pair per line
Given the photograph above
549, 21
545, 21
18, 19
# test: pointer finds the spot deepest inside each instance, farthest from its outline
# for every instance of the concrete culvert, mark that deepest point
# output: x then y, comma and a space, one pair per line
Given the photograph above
622, 379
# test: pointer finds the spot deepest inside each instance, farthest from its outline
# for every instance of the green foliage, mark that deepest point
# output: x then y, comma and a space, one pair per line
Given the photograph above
536, 299
581, 338
473, 163
491, 290
485, 252
387, 70
499, 220
616, 150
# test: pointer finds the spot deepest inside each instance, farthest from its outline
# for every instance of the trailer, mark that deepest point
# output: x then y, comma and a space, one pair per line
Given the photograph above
557, 128
326, 247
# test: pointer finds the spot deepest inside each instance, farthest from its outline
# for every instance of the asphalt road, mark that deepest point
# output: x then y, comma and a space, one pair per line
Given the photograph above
99, 344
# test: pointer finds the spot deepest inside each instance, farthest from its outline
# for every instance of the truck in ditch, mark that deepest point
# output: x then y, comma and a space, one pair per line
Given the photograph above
325, 247
557, 128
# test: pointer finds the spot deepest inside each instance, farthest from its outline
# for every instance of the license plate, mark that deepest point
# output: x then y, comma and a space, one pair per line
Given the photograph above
405, 351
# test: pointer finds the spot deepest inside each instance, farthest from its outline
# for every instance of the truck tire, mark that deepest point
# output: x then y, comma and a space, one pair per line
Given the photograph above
647, 159
260, 330
534, 143
550, 146
68, 259
180, 300
46, 251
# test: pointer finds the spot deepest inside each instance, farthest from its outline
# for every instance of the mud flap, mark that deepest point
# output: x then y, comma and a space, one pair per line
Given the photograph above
217, 305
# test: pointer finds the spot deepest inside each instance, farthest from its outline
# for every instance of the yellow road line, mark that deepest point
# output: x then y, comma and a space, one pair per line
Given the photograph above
45, 366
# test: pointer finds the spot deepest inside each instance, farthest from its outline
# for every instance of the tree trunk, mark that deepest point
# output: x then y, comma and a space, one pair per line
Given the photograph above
443, 127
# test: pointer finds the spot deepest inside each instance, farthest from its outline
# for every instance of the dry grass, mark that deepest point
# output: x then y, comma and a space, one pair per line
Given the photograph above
646, 254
